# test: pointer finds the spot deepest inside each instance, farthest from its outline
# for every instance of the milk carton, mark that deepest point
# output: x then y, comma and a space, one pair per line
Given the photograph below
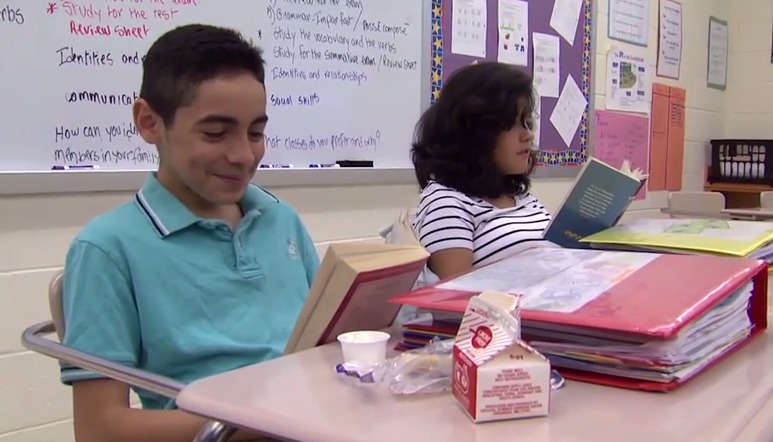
496, 375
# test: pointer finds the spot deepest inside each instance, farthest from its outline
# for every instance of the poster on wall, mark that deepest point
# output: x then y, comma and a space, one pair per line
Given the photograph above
669, 39
716, 76
629, 21
629, 81
771, 45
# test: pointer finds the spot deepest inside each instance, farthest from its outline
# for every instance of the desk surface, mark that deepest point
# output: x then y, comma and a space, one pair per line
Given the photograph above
760, 428
299, 397
694, 214
753, 212
737, 187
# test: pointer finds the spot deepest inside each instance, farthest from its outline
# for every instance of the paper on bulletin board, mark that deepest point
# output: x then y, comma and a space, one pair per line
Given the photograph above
468, 28
513, 32
622, 137
569, 109
629, 81
565, 18
537, 118
546, 66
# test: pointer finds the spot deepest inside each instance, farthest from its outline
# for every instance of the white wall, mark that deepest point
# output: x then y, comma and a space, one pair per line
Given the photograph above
750, 74
35, 231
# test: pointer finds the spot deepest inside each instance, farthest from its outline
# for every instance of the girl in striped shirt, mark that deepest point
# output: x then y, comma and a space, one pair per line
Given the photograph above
473, 155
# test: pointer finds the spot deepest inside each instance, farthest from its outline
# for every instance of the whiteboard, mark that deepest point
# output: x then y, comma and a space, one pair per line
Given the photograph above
345, 78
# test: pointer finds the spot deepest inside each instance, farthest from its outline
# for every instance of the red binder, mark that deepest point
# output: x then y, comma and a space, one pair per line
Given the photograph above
655, 302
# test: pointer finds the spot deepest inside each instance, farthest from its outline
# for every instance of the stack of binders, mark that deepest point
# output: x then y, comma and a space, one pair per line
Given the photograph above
646, 321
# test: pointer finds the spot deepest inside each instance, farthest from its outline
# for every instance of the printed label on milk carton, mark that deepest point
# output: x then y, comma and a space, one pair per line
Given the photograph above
496, 375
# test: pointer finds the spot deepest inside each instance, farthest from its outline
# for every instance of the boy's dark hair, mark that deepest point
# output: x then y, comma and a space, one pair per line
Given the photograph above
455, 138
183, 58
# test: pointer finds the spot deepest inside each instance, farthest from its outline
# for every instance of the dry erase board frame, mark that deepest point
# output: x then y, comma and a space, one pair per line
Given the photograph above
54, 182
554, 162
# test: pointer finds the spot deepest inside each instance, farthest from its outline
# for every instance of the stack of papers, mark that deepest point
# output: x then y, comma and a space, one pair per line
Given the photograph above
658, 361
764, 253
430, 326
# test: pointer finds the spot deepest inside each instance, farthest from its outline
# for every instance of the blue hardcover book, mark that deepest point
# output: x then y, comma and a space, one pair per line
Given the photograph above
599, 197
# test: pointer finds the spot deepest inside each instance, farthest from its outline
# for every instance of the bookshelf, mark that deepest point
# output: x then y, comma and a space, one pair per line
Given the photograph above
739, 195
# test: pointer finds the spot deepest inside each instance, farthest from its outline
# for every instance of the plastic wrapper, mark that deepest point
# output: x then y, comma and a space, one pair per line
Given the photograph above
426, 370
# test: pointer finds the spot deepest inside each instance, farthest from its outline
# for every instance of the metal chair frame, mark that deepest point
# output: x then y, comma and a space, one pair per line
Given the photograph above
34, 339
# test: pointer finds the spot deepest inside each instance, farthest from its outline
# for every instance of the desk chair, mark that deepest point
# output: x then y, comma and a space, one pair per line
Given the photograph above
695, 204
33, 339
766, 200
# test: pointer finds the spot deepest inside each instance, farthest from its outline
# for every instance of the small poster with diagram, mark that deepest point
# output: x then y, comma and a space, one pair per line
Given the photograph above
629, 81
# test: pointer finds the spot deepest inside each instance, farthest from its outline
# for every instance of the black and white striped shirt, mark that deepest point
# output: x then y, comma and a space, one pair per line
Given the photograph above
449, 219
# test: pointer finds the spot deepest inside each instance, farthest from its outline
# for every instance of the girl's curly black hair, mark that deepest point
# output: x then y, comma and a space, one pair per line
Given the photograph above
456, 137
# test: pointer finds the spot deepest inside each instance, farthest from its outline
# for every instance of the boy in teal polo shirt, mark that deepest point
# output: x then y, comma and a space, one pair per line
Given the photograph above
202, 272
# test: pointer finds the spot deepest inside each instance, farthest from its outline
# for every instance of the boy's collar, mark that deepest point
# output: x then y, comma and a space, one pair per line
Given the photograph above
169, 215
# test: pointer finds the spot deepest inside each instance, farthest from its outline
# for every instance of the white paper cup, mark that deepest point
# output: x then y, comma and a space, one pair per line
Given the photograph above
364, 347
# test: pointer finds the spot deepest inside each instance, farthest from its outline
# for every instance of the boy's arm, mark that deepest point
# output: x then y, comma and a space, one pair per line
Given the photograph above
102, 413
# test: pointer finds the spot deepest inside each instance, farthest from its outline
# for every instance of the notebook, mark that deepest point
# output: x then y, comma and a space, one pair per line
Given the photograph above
723, 237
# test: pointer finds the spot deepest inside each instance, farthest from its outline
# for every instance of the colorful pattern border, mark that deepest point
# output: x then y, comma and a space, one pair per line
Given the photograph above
552, 157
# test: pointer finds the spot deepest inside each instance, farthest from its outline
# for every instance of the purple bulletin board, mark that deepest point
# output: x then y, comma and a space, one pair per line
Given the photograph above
556, 158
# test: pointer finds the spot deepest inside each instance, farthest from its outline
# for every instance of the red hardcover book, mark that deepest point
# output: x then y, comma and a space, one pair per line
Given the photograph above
625, 296
352, 291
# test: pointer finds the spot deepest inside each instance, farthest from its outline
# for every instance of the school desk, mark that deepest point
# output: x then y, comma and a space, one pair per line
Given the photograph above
760, 429
673, 213
300, 398
754, 214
